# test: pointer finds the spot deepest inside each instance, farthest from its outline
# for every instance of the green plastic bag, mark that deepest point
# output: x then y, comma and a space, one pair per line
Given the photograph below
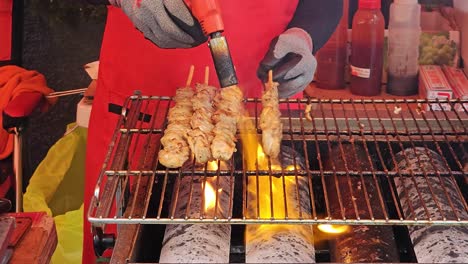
57, 187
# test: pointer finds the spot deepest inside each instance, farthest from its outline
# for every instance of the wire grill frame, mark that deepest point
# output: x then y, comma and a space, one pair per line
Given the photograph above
130, 173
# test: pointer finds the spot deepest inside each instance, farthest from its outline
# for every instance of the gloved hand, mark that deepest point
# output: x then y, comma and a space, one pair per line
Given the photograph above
167, 23
290, 57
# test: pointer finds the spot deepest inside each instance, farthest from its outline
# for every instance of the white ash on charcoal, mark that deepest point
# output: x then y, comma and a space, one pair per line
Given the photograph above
360, 243
432, 244
198, 243
272, 243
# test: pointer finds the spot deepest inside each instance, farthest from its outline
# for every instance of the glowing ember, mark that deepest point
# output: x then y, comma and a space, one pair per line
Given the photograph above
333, 229
290, 168
212, 165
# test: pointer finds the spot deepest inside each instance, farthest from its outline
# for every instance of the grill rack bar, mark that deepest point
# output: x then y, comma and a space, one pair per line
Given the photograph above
377, 125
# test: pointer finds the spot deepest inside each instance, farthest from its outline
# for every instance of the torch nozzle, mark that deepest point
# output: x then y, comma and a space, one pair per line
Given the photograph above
222, 60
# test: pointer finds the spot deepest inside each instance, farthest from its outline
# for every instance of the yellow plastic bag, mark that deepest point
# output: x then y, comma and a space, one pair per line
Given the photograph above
70, 237
57, 187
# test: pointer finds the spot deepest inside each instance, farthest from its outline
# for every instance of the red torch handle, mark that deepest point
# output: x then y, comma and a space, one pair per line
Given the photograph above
208, 13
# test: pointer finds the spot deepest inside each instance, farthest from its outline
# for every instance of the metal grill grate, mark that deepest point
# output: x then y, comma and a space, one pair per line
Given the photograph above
426, 184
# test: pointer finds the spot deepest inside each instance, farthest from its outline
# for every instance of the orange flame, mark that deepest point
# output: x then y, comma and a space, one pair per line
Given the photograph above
210, 197
255, 158
210, 193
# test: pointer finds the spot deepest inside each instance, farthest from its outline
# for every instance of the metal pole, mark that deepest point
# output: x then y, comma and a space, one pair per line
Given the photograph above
18, 168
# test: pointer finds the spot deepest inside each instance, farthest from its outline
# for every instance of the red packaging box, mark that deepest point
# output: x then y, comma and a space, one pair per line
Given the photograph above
459, 83
434, 85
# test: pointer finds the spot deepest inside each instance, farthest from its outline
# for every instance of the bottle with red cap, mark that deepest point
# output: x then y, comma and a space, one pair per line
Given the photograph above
367, 49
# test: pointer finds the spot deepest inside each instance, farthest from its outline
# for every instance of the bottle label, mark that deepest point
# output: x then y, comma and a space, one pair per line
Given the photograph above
360, 72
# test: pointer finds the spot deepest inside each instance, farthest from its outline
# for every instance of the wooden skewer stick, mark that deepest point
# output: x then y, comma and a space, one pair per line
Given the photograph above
270, 77
207, 75
190, 76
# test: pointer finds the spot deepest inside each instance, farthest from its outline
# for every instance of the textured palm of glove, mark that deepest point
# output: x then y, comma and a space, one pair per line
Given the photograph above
167, 23
291, 59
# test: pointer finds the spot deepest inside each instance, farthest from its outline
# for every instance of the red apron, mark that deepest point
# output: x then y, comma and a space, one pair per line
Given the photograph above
129, 62
6, 8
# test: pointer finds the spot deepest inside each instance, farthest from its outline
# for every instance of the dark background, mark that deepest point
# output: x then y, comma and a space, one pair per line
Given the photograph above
57, 38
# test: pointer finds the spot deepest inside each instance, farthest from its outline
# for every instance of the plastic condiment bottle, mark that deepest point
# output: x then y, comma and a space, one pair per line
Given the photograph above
404, 31
367, 49
331, 58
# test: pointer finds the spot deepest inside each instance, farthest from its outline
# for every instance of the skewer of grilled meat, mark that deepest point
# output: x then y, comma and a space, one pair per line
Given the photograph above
201, 135
270, 122
228, 103
176, 150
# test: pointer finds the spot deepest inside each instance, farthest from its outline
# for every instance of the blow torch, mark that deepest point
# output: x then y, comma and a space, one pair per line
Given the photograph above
208, 13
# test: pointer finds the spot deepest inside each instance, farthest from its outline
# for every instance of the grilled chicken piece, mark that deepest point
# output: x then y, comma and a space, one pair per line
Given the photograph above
228, 109
175, 150
201, 134
270, 121
174, 158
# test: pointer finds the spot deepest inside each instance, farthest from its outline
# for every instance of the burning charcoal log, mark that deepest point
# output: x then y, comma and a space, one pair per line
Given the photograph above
465, 166
280, 243
199, 243
359, 243
432, 244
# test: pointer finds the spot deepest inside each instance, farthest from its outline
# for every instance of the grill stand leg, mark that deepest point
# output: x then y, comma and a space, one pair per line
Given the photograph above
18, 168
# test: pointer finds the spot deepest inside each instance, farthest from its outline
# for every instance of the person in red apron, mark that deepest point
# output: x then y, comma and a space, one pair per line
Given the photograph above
149, 45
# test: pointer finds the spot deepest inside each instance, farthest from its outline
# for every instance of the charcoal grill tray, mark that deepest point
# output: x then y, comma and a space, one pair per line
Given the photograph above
133, 188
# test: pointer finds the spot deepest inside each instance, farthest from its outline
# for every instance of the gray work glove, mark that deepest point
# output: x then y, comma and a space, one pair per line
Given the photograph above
290, 57
167, 23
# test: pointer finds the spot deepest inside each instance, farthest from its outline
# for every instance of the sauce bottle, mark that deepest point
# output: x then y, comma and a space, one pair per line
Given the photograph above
367, 49
403, 47
331, 58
